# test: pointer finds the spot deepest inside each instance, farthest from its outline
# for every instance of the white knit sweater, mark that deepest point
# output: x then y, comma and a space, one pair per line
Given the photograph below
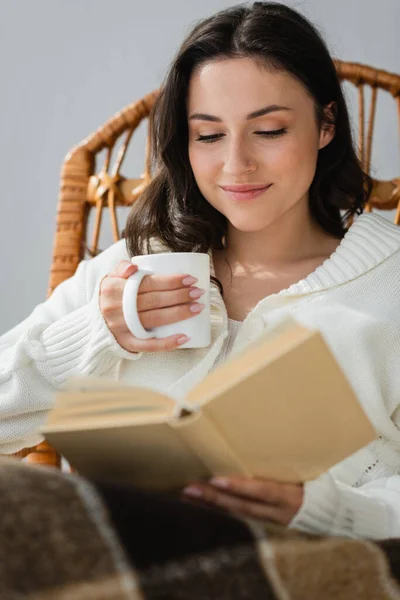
352, 298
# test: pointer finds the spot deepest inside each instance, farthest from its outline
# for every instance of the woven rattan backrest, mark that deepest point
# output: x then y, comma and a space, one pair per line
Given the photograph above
385, 194
82, 189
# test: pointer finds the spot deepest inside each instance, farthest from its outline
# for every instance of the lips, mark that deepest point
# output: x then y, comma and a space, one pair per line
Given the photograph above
243, 187
245, 192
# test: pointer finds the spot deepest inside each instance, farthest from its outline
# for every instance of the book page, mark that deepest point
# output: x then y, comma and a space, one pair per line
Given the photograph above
95, 401
263, 351
108, 388
109, 418
293, 417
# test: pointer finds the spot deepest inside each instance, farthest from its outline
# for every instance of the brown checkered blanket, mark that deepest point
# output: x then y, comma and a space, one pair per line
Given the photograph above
62, 537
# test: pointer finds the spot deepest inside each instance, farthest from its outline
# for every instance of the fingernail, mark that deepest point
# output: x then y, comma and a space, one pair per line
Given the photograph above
129, 270
196, 308
181, 340
189, 280
220, 482
196, 293
194, 492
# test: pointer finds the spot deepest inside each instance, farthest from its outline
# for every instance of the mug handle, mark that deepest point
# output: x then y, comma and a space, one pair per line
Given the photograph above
129, 305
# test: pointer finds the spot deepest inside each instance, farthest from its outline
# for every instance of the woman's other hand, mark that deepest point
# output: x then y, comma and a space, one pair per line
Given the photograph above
251, 497
162, 299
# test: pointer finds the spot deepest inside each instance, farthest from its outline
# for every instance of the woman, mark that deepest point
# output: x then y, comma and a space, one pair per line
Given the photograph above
254, 164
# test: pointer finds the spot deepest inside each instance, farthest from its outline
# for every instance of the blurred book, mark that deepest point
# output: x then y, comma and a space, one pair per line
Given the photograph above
282, 409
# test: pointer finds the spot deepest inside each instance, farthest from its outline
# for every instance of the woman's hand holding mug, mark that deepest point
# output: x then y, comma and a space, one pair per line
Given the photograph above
161, 300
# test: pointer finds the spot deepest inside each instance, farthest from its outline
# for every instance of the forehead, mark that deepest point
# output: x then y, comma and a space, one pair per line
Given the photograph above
241, 84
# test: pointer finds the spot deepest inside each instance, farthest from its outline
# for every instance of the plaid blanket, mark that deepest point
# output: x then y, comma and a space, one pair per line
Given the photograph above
63, 537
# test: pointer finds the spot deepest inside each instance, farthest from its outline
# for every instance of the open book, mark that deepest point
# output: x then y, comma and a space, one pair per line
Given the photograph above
281, 409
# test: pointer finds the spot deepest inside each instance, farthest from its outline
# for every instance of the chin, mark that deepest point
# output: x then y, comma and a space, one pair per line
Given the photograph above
250, 225
248, 228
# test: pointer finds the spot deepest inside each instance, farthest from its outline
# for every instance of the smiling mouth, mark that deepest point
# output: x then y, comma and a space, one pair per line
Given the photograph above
248, 194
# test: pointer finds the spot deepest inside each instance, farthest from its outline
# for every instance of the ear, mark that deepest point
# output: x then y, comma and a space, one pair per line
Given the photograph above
328, 128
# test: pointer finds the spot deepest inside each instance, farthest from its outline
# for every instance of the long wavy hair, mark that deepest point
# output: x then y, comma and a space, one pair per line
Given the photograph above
172, 208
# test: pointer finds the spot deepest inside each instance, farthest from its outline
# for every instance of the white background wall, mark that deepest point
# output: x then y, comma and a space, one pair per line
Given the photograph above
66, 66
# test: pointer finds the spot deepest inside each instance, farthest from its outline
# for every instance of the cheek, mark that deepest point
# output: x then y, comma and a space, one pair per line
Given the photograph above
297, 159
202, 164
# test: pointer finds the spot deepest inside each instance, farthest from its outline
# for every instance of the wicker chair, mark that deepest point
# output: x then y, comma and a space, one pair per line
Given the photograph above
83, 189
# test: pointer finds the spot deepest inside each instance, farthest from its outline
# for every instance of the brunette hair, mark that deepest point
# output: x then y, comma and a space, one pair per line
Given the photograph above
172, 207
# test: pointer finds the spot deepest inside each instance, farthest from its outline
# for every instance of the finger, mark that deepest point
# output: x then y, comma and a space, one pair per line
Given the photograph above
252, 488
235, 504
166, 316
124, 269
167, 344
112, 288
153, 283
154, 300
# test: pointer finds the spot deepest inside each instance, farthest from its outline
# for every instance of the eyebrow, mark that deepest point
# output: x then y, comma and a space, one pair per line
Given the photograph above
253, 115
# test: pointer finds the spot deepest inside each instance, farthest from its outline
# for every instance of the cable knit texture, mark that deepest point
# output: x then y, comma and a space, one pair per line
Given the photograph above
352, 298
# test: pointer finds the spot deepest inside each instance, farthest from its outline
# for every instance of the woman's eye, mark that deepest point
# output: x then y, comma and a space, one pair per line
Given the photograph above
273, 133
208, 139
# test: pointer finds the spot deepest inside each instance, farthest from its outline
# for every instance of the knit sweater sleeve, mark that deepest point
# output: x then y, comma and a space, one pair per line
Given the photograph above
335, 508
360, 497
64, 336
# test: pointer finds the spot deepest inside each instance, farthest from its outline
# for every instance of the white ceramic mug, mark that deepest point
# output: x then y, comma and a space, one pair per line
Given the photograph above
198, 327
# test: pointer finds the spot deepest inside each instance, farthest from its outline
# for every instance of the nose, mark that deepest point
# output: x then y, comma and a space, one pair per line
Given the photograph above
239, 159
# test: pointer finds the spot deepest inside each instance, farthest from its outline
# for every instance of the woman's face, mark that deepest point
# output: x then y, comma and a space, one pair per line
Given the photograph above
276, 151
